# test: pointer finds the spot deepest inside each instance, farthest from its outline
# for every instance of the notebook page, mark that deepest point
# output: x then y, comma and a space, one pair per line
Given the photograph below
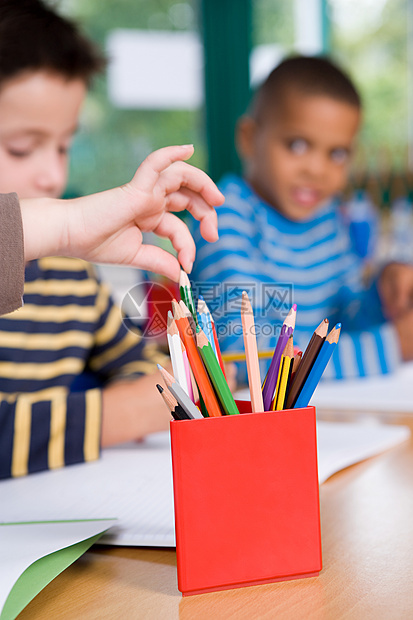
132, 483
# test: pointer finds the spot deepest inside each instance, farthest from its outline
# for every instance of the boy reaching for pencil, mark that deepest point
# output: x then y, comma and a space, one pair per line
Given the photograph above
282, 237
72, 378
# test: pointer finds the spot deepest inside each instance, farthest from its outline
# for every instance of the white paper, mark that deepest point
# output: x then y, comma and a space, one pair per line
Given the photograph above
23, 544
343, 444
392, 392
134, 483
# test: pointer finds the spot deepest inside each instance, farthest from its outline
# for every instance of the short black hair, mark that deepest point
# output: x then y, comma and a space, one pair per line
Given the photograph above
306, 75
33, 37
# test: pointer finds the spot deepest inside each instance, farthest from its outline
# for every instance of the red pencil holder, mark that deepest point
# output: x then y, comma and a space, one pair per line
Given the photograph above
246, 499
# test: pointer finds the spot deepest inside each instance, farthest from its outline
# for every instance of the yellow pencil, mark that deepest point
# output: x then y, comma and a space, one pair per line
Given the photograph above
285, 374
239, 356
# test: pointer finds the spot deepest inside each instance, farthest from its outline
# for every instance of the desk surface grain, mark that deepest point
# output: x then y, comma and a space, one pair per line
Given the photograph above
367, 537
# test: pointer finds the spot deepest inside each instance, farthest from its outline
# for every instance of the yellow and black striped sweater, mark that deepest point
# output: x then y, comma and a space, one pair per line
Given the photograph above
67, 329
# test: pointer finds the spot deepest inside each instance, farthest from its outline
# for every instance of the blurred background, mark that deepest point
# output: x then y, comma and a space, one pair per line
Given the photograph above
133, 110
182, 71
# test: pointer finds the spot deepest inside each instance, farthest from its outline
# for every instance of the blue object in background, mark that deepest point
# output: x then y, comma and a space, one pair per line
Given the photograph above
401, 230
363, 221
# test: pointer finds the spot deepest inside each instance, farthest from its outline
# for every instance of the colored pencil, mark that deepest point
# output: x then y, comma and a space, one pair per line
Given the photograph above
239, 356
296, 362
272, 374
318, 368
176, 353
290, 319
174, 407
250, 343
286, 369
215, 374
214, 333
188, 315
189, 377
183, 399
306, 363
201, 377
186, 294
205, 321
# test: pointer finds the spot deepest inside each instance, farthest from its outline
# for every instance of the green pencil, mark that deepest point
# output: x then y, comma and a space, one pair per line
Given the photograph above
215, 374
186, 294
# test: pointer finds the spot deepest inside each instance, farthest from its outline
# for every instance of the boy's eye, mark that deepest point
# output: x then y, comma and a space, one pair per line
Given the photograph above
298, 146
340, 156
18, 153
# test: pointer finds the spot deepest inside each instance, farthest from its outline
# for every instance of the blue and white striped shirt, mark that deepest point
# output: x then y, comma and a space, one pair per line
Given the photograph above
280, 262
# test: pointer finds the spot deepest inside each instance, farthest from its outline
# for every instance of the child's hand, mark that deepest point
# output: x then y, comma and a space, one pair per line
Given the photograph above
163, 183
132, 409
404, 328
396, 289
107, 227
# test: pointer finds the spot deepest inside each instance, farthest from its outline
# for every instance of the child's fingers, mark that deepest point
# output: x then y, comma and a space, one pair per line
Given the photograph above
181, 175
199, 209
148, 172
153, 258
177, 231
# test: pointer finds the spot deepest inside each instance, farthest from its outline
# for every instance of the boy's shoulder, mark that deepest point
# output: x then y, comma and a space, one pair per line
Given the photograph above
239, 196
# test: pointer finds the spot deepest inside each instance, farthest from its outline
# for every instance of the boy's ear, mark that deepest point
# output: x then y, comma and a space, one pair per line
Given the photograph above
244, 137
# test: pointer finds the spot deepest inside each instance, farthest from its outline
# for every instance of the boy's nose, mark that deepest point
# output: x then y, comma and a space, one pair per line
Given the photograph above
316, 165
51, 175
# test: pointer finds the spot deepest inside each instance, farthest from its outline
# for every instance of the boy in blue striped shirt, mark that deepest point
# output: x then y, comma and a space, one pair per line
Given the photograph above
282, 237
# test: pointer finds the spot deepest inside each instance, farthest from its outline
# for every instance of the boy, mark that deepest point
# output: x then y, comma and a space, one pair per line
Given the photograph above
68, 325
281, 234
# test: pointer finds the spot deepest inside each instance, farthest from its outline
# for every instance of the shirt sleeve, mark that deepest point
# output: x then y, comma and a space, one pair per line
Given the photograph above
11, 254
57, 427
47, 430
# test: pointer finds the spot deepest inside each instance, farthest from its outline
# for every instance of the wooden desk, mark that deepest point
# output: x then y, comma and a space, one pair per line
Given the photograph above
367, 534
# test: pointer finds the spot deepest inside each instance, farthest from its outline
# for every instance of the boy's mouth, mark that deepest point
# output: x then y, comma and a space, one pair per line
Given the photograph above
306, 197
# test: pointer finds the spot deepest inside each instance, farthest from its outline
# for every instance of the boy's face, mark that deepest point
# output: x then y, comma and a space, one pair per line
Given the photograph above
298, 158
38, 117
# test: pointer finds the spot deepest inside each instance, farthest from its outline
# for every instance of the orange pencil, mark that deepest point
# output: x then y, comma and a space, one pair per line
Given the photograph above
200, 374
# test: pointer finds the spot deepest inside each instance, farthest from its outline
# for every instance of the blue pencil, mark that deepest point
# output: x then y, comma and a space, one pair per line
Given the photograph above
318, 367
205, 321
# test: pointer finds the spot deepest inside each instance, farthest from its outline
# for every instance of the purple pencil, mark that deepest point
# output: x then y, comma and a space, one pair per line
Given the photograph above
272, 374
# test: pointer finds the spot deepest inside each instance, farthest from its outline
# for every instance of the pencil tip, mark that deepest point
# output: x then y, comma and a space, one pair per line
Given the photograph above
160, 388
294, 306
183, 278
